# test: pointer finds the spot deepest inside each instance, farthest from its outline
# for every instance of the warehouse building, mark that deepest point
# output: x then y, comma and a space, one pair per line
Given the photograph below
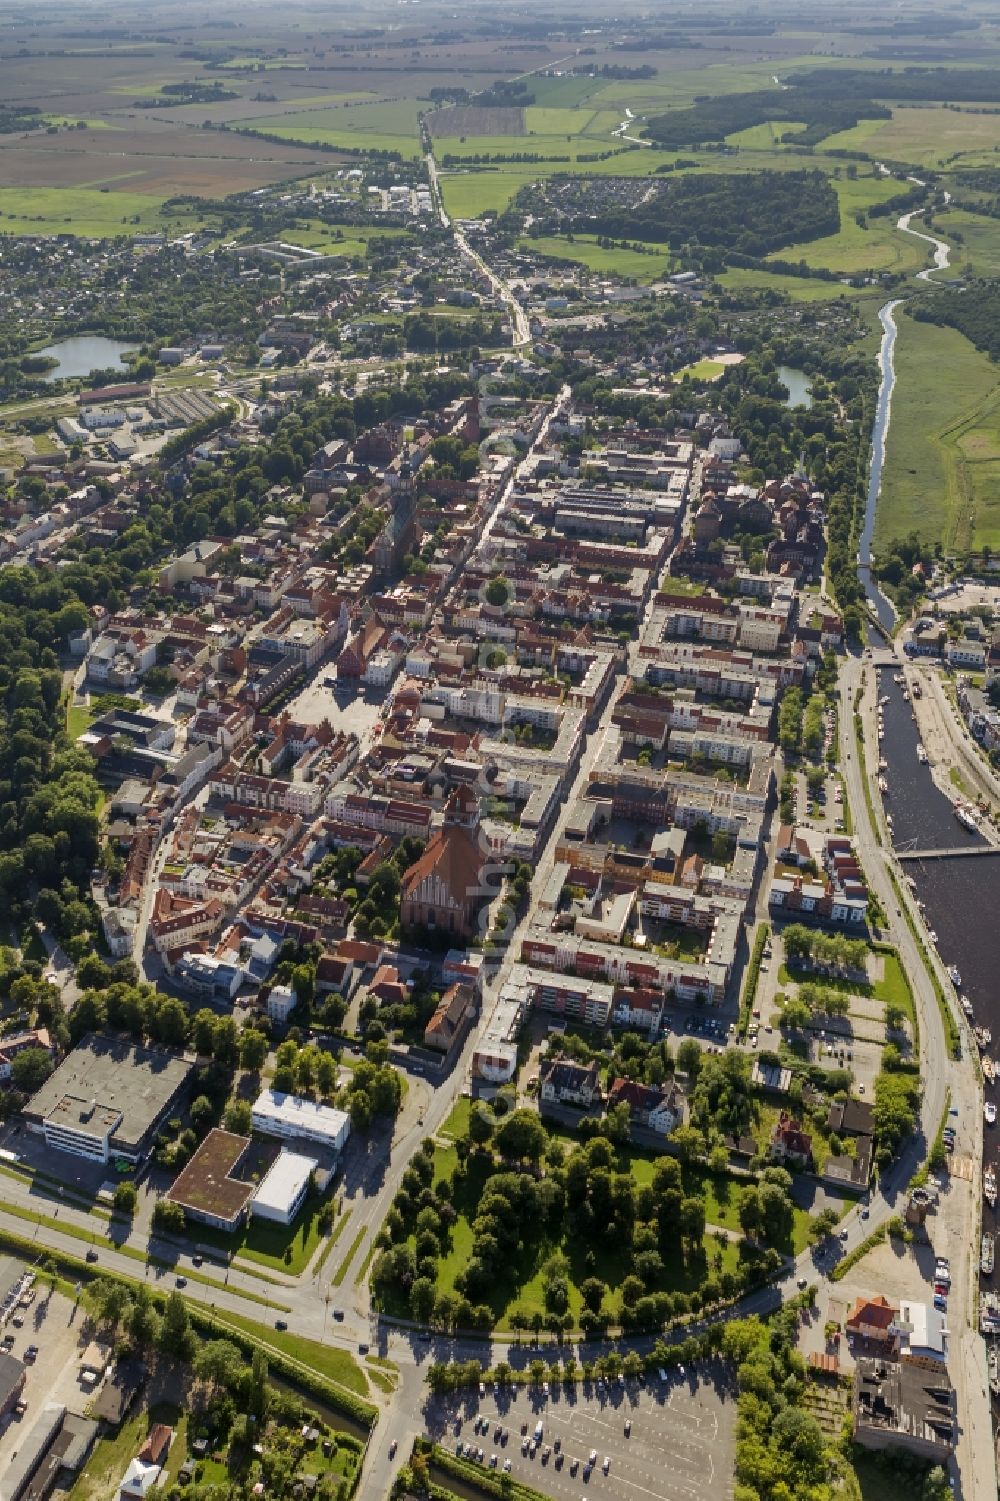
107, 1099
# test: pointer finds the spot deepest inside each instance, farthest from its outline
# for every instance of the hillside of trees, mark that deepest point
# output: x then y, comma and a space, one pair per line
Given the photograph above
749, 213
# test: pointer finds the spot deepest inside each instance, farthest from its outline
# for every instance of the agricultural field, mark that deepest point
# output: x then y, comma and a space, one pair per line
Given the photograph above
854, 250
382, 126
764, 137
942, 470
927, 136
640, 265
471, 120
798, 288
975, 241
155, 157
562, 135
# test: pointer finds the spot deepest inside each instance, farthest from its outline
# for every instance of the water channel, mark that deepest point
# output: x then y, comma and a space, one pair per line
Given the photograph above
957, 895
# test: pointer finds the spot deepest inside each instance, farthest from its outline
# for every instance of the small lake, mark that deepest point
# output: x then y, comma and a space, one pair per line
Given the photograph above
84, 353
797, 382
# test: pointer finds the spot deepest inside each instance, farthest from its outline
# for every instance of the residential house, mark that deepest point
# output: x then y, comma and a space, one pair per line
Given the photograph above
659, 1110
562, 1082
789, 1143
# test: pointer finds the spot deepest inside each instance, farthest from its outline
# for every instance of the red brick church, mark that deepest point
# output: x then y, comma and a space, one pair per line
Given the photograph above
443, 890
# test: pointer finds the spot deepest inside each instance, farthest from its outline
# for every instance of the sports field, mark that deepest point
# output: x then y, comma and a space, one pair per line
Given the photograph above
942, 469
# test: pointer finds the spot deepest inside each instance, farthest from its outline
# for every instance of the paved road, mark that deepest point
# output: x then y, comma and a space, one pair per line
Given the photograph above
520, 328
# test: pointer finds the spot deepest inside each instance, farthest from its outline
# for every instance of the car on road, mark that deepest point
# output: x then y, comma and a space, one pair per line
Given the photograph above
802, 1282
844, 1233
628, 1427
91, 1255
197, 1260
865, 1213
607, 1463
31, 1354
941, 1304
593, 1457
281, 1324
493, 1461
181, 1282
574, 1465
392, 1449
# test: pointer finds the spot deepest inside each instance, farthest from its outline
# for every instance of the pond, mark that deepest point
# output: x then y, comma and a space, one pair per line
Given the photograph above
86, 352
797, 382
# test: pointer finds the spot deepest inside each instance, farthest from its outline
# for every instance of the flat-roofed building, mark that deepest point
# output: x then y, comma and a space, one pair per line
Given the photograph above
294, 1118
210, 1189
283, 1192
107, 1099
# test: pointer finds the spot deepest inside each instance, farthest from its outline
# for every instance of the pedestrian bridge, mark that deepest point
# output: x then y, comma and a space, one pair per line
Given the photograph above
949, 854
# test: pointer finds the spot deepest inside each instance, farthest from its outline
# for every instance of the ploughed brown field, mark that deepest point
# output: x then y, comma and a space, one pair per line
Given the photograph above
153, 158
471, 120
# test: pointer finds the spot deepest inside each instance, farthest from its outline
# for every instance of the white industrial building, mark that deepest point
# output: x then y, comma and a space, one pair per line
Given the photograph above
293, 1118
284, 1187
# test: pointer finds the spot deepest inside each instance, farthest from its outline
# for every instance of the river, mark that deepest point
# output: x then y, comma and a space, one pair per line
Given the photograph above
880, 428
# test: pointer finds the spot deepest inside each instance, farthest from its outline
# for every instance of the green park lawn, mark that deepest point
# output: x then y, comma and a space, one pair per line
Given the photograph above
285, 1248
337, 1365
644, 265
79, 718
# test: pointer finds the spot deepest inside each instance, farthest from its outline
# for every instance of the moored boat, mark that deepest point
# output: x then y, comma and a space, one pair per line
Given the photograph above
990, 1186
986, 1255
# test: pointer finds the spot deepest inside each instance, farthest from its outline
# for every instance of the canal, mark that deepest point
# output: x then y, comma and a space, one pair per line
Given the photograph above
957, 895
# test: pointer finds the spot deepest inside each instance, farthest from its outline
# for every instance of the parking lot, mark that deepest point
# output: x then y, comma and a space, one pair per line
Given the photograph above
680, 1444
50, 1324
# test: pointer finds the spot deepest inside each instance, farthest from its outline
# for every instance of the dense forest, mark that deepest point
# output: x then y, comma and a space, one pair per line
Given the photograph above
975, 312
748, 213
714, 119
824, 100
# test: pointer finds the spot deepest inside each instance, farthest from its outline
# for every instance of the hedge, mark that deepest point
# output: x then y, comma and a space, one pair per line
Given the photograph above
753, 975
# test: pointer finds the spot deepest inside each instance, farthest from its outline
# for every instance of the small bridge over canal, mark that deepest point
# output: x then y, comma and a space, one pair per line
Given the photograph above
960, 851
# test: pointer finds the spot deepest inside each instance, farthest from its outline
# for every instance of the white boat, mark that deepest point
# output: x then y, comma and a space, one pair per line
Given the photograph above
965, 818
990, 1186
966, 1004
932, 936
954, 976
986, 1256
921, 755
990, 1112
